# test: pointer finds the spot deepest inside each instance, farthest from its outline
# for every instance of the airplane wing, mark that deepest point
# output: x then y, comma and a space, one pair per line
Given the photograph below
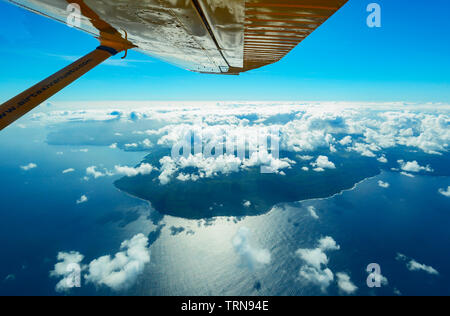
208, 36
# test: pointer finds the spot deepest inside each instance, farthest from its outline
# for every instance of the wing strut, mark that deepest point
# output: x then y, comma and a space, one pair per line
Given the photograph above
18, 106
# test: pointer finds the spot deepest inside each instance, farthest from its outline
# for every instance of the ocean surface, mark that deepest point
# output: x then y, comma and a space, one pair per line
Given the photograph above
39, 217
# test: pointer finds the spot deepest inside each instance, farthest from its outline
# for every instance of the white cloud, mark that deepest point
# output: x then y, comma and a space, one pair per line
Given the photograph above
307, 127
365, 150
118, 272
113, 146
251, 256
65, 268
319, 277
313, 257
347, 140
333, 149
312, 211
212, 166
304, 128
92, 171
416, 266
68, 170
305, 158
168, 169
28, 167
187, 177
121, 271
345, 284
143, 169
413, 166
383, 185
328, 243
147, 143
247, 204
413, 265
263, 158
445, 192
323, 163
379, 278
83, 199
406, 174
315, 270
132, 145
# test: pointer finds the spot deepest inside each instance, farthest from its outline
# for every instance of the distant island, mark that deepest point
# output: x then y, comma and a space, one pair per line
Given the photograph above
248, 192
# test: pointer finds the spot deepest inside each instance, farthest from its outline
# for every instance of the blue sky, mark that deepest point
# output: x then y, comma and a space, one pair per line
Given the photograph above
407, 59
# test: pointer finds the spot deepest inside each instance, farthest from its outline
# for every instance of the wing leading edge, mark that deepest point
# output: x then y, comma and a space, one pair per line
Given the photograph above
208, 36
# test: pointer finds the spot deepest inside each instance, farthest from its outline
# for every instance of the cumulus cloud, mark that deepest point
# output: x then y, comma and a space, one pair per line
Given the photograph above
212, 166
272, 164
312, 211
322, 163
413, 265
247, 204
413, 166
315, 270
305, 157
68, 170
147, 143
68, 263
251, 256
143, 169
347, 140
328, 243
92, 171
187, 177
168, 169
28, 167
132, 145
416, 266
345, 284
445, 192
122, 270
366, 150
118, 272
305, 127
383, 184
82, 199
382, 159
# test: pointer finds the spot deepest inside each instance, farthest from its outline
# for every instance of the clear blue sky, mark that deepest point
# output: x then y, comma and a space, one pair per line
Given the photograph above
408, 59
